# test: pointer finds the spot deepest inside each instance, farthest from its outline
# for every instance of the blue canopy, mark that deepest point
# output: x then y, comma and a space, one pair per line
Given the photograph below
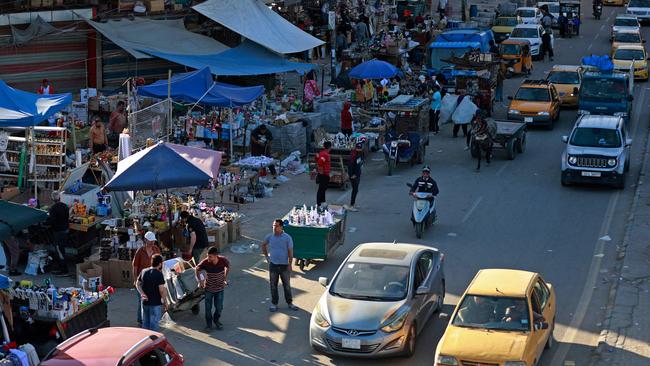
149, 169
22, 109
192, 86
373, 69
249, 58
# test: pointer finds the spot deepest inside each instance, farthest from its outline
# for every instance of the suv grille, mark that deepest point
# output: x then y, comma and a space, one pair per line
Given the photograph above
591, 162
364, 348
472, 363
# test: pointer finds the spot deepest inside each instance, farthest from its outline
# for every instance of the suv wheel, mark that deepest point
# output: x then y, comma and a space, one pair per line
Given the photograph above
627, 165
564, 180
620, 182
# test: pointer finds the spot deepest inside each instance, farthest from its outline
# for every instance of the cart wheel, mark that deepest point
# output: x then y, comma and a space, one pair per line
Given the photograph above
195, 309
521, 143
510, 149
301, 264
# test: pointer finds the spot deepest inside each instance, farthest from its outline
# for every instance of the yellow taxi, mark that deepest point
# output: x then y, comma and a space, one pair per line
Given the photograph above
535, 102
505, 317
567, 80
503, 27
626, 37
625, 56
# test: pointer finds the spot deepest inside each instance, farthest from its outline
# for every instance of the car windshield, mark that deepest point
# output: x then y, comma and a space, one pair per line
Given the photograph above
595, 137
492, 312
639, 4
525, 33
533, 95
526, 13
607, 90
564, 77
506, 22
510, 49
369, 281
626, 22
627, 37
629, 55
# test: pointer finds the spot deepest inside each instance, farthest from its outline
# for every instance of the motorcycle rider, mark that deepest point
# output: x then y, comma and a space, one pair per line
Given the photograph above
596, 4
425, 184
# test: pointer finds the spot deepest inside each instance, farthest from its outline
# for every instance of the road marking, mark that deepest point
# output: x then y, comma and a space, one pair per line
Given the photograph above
588, 291
590, 45
602, 26
597, 35
474, 206
503, 168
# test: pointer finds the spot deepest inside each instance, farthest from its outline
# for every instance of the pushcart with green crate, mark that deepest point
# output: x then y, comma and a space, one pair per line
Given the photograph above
312, 243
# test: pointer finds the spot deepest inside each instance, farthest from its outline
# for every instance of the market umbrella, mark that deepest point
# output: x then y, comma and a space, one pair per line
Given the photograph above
15, 217
374, 69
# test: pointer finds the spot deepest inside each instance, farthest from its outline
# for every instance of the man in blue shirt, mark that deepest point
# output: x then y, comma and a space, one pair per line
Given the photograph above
434, 111
278, 250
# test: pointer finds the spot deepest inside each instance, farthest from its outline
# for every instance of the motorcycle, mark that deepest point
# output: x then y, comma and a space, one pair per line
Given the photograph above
598, 11
424, 211
403, 148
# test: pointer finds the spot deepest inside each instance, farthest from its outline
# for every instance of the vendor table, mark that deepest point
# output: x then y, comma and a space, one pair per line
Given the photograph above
310, 243
82, 237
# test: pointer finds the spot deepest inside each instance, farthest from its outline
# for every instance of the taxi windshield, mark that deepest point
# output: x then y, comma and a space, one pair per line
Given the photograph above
629, 55
525, 33
510, 49
506, 22
533, 95
491, 312
626, 37
526, 13
626, 22
564, 77
639, 4
595, 137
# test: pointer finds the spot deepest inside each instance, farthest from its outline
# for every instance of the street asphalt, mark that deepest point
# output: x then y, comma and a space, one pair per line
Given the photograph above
513, 214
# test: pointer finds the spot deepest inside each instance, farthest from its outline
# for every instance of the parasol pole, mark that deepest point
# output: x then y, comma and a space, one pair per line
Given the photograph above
169, 218
169, 100
231, 137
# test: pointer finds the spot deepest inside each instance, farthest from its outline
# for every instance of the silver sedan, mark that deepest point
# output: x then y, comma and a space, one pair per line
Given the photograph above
378, 301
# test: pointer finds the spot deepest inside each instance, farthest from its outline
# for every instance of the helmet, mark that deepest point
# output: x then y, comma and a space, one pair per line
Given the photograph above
426, 169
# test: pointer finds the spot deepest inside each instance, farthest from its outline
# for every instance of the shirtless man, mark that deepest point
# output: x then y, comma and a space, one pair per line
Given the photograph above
97, 134
117, 123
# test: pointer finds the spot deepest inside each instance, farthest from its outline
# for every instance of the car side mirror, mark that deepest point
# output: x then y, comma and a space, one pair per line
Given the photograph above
510, 98
628, 142
422, 290
324, 281
565, 139
630, 97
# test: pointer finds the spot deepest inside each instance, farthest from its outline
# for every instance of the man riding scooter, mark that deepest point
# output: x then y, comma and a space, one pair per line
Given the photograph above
598, 8
424, 190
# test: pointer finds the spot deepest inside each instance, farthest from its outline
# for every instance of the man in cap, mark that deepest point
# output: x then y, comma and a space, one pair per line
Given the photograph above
142, 260
425, 184
59, 220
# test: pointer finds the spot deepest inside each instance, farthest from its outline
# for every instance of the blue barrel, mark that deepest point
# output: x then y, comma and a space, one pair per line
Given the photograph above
473, 11
453, 23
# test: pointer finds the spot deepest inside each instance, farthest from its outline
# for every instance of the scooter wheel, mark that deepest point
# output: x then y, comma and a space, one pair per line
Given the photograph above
419, 228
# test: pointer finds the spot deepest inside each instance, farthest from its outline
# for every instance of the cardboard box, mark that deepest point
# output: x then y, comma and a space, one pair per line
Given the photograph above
90, 274
121, 273
106, 271
155, 5
125, 5
234, 230
218, 237
181, 243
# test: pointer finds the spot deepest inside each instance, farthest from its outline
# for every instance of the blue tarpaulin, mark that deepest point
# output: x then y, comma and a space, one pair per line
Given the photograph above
603, 63
249, 58
192, 86
22, 109
149, 169
374, 69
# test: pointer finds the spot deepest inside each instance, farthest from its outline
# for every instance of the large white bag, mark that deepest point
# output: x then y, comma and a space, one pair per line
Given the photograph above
464, 112
447, 108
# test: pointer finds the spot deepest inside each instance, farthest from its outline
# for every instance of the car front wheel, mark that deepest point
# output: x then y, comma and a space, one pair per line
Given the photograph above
551, 340
409, 347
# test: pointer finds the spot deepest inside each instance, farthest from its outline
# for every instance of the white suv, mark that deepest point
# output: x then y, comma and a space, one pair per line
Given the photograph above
597, 151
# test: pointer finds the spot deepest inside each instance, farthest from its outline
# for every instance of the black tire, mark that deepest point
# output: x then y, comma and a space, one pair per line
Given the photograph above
409, 347
564, 180
195, 309
550, 341
419, 229
520, 145
627, 165
510, 149
620, 182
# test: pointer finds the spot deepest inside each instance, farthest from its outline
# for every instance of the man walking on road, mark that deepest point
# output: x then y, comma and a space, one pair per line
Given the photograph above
354, 170
547, 22
59, 220
323, 167
142, 260
151, 286
278, 250
197, 233
212, 275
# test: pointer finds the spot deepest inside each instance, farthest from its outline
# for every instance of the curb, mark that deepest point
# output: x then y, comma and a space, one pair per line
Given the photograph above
603, 346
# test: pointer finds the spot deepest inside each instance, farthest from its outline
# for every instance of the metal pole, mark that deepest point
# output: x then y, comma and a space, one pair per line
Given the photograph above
231, 137
169, 100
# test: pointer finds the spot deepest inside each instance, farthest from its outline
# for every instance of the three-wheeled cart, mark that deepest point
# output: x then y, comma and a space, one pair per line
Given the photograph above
316, 243
510, 136
571, 10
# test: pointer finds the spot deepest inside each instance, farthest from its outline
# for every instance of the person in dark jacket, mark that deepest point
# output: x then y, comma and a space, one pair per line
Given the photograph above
424, 183
354, 171
59, 220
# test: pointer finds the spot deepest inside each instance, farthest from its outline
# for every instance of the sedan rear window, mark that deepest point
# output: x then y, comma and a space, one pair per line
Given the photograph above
627, 37
626, 22
629, 55
595, 137
372, 282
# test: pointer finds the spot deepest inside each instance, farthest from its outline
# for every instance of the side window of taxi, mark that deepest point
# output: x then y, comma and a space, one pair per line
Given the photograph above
542, 293
554, 96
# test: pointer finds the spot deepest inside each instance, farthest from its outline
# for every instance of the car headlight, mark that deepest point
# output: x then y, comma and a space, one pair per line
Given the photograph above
319, 318
542, 113
515, 363
513, 111
582, 111
446, 360
396, 321
572, 160
611, 162
620, 114
393, 144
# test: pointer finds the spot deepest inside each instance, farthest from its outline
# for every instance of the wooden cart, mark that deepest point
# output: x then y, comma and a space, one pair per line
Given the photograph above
339, 177
476, 75
510, 136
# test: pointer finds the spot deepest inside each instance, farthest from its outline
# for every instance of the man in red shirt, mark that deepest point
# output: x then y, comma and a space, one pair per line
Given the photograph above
323, 168
212, 275
346, 119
